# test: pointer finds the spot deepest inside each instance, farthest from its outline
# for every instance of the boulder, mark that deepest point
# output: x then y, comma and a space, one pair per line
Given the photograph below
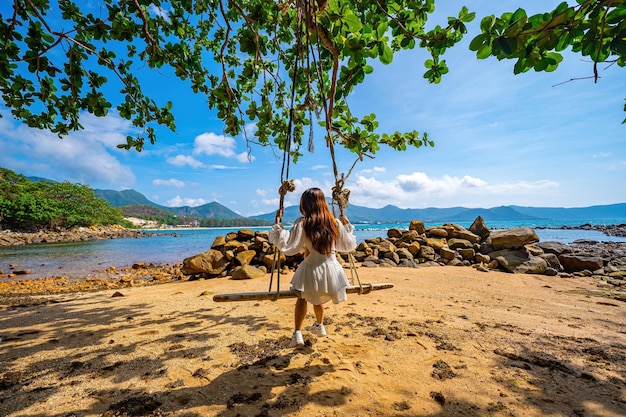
520, 261
479, 228
447, 253
211, 262
427, 253
513, 238
552, 260
394, 233
556, 248
245, 234
436, 232
467, 254
414, 248
458, 243
459, 232
574, 262
418, 226
245, 257
386, 246
436, 244
480, 258
247, 272
219, 242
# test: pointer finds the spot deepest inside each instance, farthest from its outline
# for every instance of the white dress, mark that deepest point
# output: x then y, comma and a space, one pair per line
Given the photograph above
319, 278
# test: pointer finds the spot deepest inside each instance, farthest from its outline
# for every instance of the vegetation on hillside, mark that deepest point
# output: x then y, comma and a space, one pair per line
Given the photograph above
32, 205
164, 217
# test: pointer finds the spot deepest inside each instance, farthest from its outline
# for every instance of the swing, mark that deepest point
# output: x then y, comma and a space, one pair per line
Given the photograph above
340, 196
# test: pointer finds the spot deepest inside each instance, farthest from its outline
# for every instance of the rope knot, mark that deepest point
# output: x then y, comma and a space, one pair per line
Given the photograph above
341, 196
286, 187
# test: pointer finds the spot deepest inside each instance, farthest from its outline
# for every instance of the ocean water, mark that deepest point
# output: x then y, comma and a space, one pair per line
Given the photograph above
83, 259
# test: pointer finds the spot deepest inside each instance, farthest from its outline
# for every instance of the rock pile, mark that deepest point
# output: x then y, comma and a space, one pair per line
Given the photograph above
76, 234
249, 254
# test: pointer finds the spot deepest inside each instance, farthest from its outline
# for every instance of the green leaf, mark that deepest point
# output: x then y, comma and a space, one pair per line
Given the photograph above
352, 21
381, 29
483, 52
386, 54
486, 23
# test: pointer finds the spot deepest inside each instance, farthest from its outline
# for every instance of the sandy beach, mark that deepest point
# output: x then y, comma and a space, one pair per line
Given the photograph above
445, 341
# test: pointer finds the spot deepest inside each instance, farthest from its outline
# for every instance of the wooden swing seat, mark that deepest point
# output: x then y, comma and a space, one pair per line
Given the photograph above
273, 295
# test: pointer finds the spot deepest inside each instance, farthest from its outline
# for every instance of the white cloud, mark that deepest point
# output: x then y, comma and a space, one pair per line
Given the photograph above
420, 181
413, 190
250, 129
374, 170
158, 11
169, 183
179, 201
85, 156
182, 160
212, 144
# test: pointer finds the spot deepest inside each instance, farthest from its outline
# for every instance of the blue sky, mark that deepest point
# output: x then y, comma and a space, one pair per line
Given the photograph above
533, 139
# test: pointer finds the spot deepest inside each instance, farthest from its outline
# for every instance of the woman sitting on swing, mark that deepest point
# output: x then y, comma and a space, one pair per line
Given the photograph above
319, 277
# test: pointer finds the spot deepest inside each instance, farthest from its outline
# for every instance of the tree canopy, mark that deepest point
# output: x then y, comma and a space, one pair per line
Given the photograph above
283, 66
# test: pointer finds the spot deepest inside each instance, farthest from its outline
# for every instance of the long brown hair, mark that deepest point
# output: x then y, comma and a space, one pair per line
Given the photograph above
320, 226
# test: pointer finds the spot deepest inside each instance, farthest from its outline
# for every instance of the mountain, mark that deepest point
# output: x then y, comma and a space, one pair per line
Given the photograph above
393, 214
610, 211
387, 214
125, 198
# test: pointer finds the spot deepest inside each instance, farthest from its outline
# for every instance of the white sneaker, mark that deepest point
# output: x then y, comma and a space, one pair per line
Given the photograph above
297, 341
317, 329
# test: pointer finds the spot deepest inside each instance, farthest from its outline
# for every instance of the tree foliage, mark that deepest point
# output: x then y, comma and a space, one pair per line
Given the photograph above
26, 204
281, 65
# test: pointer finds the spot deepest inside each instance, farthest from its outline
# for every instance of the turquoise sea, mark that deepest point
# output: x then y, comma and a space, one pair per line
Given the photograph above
84, 259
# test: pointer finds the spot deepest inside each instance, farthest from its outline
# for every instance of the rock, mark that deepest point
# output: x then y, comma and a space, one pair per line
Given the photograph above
556, 248
427, 253
414, 248
218, 242
552, 261
436, 243
386, 246
551, 272
447, 253
436, 232
479, 228
459, 232
404, 253
418, 226
482, 259
394, 233
520, 262
211, 262
245, 234
458, 243
467, 254
247, 272
245, 257
573, 262
392, 256
513, 238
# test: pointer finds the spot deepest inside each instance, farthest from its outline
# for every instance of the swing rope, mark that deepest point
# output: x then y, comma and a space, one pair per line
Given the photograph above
340, 195
286, 185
